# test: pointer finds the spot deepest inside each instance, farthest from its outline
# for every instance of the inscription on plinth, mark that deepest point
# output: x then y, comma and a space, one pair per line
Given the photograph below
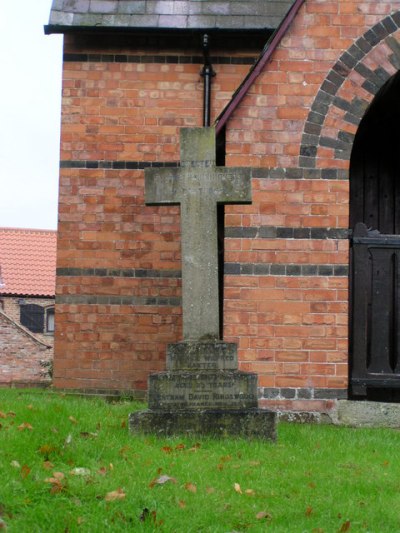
216, 355
203, 390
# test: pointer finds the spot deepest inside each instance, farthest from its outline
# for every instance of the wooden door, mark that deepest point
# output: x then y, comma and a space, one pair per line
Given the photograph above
375, 249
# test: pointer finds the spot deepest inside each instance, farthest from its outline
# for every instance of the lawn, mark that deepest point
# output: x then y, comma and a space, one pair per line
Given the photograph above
68, 464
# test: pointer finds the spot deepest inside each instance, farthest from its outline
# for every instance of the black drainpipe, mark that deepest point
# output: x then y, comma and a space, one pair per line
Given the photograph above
207, 73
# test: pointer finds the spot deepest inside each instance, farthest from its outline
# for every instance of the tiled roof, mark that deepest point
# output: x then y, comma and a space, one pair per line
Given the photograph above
27, 262
167, 14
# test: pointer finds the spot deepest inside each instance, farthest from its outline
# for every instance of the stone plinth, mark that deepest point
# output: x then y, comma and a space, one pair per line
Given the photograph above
203, 393
248, 423
203, 390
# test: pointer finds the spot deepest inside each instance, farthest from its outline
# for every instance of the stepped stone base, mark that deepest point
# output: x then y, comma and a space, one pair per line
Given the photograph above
216, 389
249, 423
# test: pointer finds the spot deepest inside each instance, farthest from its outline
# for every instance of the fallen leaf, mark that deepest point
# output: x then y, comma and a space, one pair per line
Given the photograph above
56, 488
3, 415
345, 526
25, 471
59, 475
210, 490
250, 492
182, 504
15, 464
46, 449
11, 414
118, 494
237, 488
226, 458
3, 525
72, 419
68, 440
80, 520
309, 511
167, 449
25, 425
123, 450
180, 446
191, 487
123, 424
30, 406
312, 485
263, 514
254, 463
80, 471
48, 465
162, 480
102, 471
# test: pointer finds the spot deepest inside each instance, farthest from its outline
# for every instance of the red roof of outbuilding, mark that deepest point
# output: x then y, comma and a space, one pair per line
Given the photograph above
27, 262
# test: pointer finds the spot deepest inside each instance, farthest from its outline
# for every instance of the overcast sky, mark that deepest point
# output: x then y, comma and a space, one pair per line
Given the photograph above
30, 99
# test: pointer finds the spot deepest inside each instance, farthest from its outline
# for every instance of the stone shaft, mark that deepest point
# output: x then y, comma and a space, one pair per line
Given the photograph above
198, 187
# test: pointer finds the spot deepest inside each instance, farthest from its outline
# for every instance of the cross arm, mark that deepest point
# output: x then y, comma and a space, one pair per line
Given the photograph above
162, 186
233, 185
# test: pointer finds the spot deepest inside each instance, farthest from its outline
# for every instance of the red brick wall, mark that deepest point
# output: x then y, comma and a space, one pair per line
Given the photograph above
299, 120
118, 284
20, 355
286, 288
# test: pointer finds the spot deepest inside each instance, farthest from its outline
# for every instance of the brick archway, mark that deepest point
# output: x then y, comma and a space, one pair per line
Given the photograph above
346, 93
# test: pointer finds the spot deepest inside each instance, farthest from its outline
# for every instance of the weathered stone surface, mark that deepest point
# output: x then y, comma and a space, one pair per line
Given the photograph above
368, 414
249, 423
203, 390
215, 355
198, 186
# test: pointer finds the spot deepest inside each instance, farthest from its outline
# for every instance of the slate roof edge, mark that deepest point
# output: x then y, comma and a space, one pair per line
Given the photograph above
270, 47
51, 29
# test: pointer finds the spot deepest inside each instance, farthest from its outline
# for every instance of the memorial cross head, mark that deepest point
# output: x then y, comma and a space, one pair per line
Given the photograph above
198, 186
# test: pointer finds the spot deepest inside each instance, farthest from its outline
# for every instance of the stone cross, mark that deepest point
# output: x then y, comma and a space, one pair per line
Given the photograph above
198, 186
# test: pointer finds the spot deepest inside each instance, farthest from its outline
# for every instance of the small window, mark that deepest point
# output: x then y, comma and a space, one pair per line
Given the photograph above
50, 320
32, 317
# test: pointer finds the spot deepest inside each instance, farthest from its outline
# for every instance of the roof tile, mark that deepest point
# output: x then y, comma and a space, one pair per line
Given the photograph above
178, 14
27, 262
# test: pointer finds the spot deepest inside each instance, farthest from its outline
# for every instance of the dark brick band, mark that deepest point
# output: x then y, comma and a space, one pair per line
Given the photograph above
257, 173
118, 165
271, 393
273, 269
119, 273
163, 59
252, 269
272, 232
300, 173
117, 300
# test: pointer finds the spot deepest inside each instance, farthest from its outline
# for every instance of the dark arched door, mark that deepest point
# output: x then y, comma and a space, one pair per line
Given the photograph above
375, 249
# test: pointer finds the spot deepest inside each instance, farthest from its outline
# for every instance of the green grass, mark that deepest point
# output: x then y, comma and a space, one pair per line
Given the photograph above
314, 479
